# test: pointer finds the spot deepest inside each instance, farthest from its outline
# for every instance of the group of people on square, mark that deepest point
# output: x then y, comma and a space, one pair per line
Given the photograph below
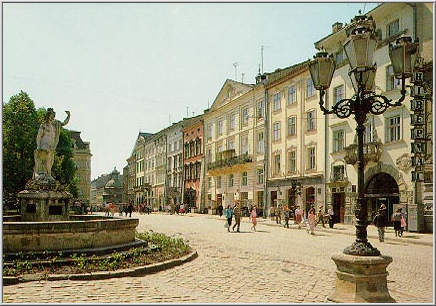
381, 219
235, 211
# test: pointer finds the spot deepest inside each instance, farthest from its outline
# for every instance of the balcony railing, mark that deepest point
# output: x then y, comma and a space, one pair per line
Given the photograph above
230, 161
371, 152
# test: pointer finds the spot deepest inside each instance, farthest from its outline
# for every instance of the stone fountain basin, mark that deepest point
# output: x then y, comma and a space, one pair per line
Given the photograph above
78, 233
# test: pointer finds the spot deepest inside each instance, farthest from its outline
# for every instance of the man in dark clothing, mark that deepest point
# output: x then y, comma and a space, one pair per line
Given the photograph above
237, 213
130, 210
380, 222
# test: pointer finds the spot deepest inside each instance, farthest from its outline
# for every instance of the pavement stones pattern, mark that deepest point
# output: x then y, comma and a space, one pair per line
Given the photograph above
273, 265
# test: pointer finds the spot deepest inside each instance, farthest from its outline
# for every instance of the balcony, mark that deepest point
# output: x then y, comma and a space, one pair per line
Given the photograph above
228, 162
371, 152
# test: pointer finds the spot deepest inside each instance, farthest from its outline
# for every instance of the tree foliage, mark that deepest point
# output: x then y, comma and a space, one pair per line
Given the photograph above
20, 126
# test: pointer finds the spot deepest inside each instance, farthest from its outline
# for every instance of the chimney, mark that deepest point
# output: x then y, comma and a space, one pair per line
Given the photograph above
336, 27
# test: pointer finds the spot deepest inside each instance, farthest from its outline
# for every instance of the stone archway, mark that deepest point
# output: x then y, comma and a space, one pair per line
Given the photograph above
405, 195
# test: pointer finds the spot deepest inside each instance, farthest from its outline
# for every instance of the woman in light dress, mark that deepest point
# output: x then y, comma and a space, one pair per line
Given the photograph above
253, 217
312, 220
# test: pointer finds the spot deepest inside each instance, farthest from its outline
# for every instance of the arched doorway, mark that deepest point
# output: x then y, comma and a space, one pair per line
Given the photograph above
382, 189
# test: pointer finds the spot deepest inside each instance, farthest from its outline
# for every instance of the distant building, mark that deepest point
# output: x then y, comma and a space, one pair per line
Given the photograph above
107, 188
82, 159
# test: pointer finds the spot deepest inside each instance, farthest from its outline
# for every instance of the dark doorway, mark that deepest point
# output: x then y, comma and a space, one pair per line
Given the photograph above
338, 207
381, 189
273, 199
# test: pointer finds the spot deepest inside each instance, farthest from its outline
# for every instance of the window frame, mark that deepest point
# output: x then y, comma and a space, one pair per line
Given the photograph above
338, 143
294, 94
277, 105
278, 131
292, 161
388, 28
244, 178
335, 95
311, 119
396, 127
311, 158
292, 127
309, 85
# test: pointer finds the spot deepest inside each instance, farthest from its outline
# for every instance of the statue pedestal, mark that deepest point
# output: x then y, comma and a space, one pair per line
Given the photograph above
44, 205
361, 279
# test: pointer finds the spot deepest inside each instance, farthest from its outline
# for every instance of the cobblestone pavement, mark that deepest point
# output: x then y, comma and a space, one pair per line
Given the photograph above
272, 265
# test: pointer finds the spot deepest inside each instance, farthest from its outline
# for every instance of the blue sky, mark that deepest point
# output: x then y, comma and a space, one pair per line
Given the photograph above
121, 68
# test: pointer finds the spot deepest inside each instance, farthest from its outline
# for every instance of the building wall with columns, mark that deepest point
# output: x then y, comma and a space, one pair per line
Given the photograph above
233, 129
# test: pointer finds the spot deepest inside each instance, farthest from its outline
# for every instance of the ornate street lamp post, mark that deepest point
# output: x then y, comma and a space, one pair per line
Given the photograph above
359, 49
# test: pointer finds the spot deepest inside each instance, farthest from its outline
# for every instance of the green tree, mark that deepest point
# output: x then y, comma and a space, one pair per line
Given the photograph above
20, 126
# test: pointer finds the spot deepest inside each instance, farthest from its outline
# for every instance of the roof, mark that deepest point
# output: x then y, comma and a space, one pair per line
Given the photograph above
240, 88
77, 140
281, 74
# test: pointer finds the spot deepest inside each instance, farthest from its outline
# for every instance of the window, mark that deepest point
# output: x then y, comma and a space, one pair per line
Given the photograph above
230, 144
245, 116
391, 81
231, 180
393, 126
292, 161
310, 89
244, 145
338, 140
368, 134
260, 110
218, 182
276, 101
220, 128
232, 122
292, 95
277, 164
209, 131
276, 131
260, 176
169, 148
260, 142
311, 158
338, 173
198, 145
209, 182
311, 120
169, 162
209, 155
219, 148
187, 150
339, 57
291, 126
393, 28
338, 93
244, 179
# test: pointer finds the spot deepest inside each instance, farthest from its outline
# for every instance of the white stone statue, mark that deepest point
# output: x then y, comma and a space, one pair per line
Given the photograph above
46, 142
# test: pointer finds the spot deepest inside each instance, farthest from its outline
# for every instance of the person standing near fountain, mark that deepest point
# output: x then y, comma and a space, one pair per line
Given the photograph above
46, 142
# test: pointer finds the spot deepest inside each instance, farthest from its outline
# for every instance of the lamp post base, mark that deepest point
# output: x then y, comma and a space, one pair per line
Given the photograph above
361, 279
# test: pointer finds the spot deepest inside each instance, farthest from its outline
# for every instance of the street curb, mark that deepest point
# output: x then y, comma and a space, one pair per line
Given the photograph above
137, 271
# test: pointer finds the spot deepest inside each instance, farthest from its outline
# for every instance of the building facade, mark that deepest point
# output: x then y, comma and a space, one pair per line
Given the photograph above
193, 162
82, 159
174, 165
388, 165
296, 159
234, 146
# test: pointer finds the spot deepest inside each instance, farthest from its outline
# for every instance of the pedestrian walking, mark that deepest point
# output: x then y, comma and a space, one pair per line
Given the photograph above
312, 220
278, 214
396, 218
298, 216
253, 217
321, 217
130, 210
403, 223
237, 214
331, 217
380, 222
220, 210
229, 214
286, 214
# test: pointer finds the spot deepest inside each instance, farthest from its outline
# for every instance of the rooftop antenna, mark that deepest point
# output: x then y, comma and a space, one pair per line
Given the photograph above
187, 111
261, 55
169, 119
235, 64
242, 77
